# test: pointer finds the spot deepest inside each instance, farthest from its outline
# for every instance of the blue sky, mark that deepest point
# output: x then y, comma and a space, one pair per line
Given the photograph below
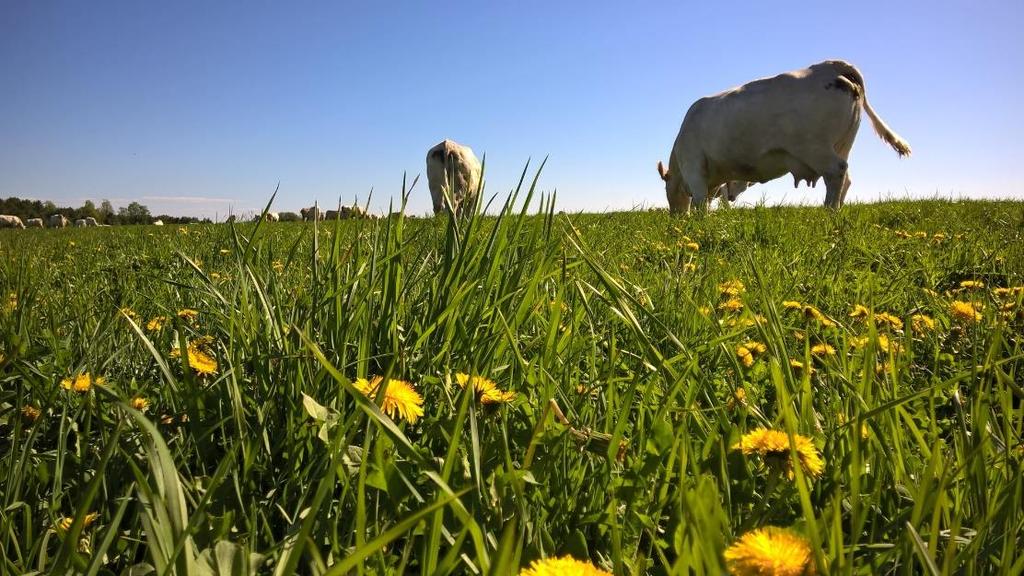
192, 107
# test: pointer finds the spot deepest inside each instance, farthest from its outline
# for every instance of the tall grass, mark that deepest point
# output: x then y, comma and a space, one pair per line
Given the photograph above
611, 330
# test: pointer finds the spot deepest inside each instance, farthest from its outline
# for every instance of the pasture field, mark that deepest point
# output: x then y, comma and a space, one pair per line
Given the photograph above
204, 400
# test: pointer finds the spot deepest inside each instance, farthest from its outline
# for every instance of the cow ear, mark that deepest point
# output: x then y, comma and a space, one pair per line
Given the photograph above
661, 171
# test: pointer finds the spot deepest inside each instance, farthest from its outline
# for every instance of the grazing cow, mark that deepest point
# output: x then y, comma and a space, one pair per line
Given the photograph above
272, 217
90, 221
453, 176
34, 223
801, 122
58, 221
158, 222
10, 222
346, 213
80, 223
312, 213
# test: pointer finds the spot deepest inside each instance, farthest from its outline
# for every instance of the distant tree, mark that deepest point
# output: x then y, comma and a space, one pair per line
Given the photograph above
88, 210
49, 207
106, 211
289, 217
134, 213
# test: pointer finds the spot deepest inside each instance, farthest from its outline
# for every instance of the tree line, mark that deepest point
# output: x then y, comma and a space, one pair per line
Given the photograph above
133, 213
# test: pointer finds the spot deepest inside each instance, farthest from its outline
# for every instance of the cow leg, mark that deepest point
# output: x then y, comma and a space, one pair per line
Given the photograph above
833, 169
697, 185
846, 187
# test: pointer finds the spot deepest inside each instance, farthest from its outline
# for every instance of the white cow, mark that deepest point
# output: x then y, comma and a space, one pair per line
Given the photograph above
58, 221
34, 223
312, 213
346, 213
158, 222
453, 175
80, 223
10, 221
802, 123
272, 217
90, 221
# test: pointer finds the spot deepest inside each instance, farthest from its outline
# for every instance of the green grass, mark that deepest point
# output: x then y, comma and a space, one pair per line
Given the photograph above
277, 464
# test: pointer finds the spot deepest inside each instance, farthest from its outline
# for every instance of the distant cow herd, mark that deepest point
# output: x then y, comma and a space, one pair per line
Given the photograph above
801, 123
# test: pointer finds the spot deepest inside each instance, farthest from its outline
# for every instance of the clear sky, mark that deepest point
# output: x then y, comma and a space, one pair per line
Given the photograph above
192, 107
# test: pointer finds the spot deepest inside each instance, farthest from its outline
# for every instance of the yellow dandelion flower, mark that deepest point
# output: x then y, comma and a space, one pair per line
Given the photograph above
182, 230
564, 566
72, 243
188, 314
214, 276
200, 356
792, 305
82, 383
692, 246
860, 311
815, 314
66, 522
823, 349
770, 551
891, 320
201, 362
799, 366
920, 234
129, 313
738, 398
773, 448
972, 284
922, 323
1007, 291
689, 267
938, 237
902, 234
731, 305
746, 358
156, 324
890, 345
704, 310
400, 397
756, 347
486, 389
964, 311
224, 251
278, 266
884, 343
140, 403
731, 288
30, 412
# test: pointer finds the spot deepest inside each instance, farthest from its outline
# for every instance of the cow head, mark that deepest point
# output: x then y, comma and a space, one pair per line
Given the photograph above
678, 199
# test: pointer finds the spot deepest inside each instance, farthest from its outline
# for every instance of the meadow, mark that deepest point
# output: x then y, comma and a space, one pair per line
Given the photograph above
643, 392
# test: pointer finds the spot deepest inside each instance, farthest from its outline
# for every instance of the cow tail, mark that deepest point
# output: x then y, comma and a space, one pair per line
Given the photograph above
898, 144
849, 72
